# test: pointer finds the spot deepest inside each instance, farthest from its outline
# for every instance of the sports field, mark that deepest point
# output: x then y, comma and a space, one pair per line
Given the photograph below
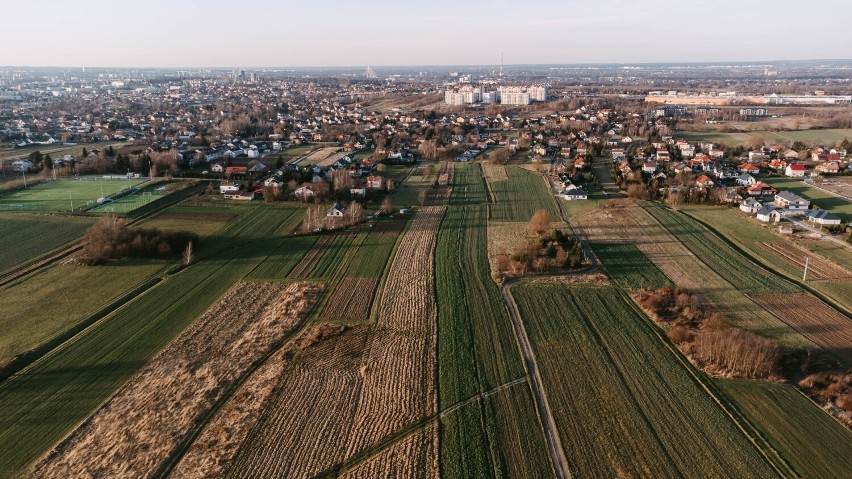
64, 195
784, 138
135, 200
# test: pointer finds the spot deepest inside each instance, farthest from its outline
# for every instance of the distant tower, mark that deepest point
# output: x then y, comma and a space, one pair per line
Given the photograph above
501, 63
369, 73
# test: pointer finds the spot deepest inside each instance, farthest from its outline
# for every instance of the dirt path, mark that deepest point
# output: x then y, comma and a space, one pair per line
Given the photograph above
551, 433
604, 174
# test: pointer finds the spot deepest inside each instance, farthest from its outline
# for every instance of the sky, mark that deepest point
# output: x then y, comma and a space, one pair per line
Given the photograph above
282, 33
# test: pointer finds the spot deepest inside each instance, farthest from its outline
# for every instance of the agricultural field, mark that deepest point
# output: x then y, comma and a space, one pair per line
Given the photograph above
622, 221
322, 157
469, 186
781, 254
141, 426
628, 267
477, 355
728, 263
412, 191
26, 237
521, 195
619, 393
827, 201
65, 194
814, 444
784, 138
79, 374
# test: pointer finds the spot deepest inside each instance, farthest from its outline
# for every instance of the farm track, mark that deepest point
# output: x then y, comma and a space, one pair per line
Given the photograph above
548, 423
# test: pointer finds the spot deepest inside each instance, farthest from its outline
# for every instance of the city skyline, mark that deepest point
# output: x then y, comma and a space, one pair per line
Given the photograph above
262, 34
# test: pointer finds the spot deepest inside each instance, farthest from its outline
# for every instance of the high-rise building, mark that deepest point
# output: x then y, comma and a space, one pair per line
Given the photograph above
453, 98
537, 93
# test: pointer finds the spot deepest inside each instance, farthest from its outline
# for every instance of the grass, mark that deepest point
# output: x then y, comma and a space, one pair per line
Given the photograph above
373, 254
625, 406
628, 267
812, 442
517, 198
63, 195
469, 185
42, 403
133, 201
822, 199
26, 237
786, 138
718, 255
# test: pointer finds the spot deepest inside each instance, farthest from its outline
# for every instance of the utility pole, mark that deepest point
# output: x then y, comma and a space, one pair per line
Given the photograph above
501, 63
805, 275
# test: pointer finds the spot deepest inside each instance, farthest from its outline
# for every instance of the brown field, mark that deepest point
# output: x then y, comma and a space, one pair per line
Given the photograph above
347, 393
446, 173
324, 157
494, 172
351, 299
307, 264
136, 430
624, 222
396, 461
818, 267
814, 319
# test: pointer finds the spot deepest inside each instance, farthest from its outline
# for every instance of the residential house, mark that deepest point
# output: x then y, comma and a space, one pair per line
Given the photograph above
304, 193
375, 182
795, 171
746, 179
761, 189
336, 211
769, 214
576, 194
240, 195
228, 187
649, 167
273, 181
828, 168
750, 206
217, 168
704, 181
749, 168
791, 201
20, 166
239, 170
822, 217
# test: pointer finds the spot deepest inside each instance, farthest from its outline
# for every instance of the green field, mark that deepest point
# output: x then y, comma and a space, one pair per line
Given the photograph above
826, 201
628, 267
721, 257
624, 404
517, 198
814, 444
64, 195
783, 138
26, 237
469, 185
133, 201
477, 353
42, 403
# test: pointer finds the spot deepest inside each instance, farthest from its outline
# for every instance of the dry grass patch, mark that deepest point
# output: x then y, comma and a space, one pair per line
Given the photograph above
351, 299
137, 429
494, 172
414, 457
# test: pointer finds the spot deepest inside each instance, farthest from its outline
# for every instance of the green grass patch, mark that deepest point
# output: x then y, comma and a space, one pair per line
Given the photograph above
26, 237
63, 195
812, 442
628, 267
524, 193
625, 406
469, 185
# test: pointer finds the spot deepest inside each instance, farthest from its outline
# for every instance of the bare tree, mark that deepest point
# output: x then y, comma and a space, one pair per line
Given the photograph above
429, 150
539, 223
188, 256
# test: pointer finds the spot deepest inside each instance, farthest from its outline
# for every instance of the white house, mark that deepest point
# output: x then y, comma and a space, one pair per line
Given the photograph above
649, 167
240, 195
576, 194
336, 211
273, 181
790, 201
746, 179
795, 171
769, 214
217, 168
750, 206
303, 192
822, 217
229, 187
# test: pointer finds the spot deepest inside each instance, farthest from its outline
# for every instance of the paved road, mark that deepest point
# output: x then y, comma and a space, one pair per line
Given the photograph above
551, 433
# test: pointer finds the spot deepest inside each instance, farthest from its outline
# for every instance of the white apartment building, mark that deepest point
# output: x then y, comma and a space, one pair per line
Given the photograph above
453, 98
537, 93
513, 95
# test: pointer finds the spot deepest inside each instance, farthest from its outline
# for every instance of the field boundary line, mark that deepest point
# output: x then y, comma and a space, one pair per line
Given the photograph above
706, 383
548, 423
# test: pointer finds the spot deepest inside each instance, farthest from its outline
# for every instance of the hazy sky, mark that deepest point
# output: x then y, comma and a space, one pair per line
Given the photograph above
252, 33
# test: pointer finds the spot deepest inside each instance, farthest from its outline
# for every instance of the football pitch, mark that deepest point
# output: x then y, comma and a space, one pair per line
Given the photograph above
65, 194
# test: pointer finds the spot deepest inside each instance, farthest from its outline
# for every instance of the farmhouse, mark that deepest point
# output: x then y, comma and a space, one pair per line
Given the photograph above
822, 217
228, 187
791, 201
769, 214
795, 171
750, 206
336, 211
